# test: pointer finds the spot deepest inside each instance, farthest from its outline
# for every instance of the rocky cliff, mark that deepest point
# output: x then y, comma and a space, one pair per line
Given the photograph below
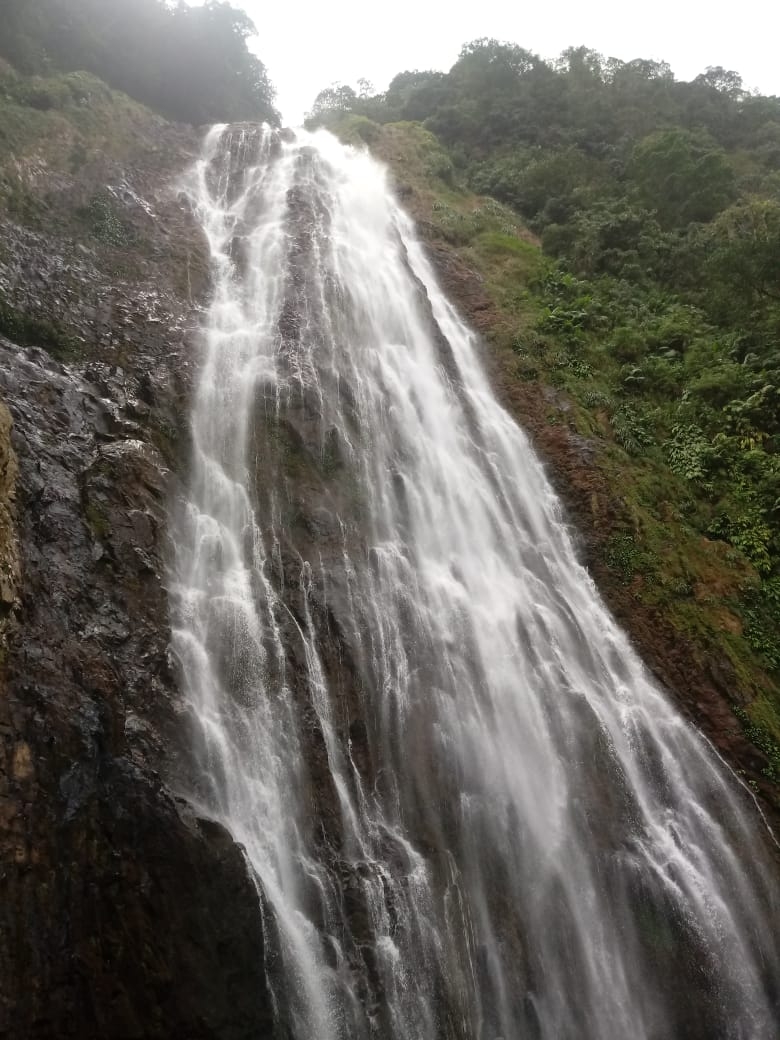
122, 914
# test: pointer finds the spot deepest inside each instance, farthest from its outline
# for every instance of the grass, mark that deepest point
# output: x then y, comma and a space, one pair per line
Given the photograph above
54, 128
63, 141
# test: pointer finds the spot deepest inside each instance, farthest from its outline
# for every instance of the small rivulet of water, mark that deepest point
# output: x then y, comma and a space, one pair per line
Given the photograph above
470, 812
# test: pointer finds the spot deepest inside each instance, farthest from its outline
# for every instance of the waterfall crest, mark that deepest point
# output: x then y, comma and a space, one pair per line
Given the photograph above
470, 811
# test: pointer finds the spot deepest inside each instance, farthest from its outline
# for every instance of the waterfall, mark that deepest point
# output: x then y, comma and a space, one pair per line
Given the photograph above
470, 811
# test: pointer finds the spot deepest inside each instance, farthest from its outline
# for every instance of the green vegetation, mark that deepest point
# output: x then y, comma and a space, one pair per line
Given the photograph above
189, 63
652, 306
64, 140
54, 156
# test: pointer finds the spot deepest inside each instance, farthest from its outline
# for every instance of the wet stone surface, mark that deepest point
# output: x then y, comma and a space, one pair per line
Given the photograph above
118, 903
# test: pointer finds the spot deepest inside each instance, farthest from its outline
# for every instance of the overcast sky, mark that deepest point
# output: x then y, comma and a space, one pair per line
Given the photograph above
308, 45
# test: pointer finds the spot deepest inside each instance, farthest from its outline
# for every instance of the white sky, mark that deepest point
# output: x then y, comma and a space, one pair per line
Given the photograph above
307, 45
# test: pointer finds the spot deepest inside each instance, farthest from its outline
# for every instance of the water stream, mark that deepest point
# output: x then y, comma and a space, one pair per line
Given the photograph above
471, 812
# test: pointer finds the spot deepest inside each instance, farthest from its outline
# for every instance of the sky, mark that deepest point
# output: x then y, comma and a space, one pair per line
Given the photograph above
307, 45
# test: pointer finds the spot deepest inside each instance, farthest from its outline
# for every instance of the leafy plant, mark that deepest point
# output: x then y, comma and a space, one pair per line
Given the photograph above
626, 556
749, 532
689, 452
761, 615
762, 739
631, 430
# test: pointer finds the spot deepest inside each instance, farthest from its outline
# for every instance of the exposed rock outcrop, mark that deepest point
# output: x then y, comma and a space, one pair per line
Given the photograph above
9, 545
122, 913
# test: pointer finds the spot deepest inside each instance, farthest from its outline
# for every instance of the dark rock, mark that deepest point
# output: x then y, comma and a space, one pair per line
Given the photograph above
122, 914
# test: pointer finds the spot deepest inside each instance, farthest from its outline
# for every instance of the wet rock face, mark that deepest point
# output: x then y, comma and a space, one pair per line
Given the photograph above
9, 546
117, 903
122, 914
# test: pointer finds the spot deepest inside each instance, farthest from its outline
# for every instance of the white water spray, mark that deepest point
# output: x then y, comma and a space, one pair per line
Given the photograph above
470, 812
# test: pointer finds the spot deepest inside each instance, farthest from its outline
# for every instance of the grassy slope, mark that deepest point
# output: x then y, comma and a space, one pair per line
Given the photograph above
663, 578
64, 140
54, 127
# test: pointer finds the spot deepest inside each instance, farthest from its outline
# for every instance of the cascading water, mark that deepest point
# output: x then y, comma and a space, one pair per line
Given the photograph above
470, 812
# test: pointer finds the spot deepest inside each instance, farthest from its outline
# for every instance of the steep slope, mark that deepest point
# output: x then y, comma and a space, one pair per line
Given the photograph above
124, 912
117, 904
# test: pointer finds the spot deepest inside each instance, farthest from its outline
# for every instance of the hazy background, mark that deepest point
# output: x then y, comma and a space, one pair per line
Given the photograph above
307, 45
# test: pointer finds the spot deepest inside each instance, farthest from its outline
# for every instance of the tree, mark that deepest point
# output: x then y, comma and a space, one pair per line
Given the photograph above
741, 254
414, 95
584, 65
683, 176
338, 97
723, 80
190, 63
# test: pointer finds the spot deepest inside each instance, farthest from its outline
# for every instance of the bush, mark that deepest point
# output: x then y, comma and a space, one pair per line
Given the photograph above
689, 452
747, 531
631, 430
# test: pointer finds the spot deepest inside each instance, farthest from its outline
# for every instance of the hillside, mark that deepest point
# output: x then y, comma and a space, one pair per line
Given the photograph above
346, 742
115, 895
634, 335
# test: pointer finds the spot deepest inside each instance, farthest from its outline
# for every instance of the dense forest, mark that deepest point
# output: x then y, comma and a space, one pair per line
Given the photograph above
191, 64
655, 305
